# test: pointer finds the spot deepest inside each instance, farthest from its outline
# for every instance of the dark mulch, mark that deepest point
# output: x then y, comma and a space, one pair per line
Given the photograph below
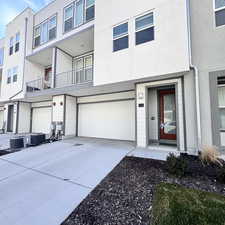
125, 196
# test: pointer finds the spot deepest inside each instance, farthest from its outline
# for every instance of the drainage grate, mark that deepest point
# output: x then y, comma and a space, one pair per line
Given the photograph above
78, 144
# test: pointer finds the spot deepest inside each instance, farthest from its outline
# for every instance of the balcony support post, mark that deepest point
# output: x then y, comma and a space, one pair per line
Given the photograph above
54, 65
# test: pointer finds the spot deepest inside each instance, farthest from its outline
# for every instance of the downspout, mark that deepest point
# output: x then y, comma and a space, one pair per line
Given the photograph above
25, 46
196, 74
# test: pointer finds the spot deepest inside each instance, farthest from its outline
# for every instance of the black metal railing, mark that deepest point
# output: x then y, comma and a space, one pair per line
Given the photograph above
64, 79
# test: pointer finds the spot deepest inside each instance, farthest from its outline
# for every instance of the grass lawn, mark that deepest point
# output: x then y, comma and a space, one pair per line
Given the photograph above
176, 205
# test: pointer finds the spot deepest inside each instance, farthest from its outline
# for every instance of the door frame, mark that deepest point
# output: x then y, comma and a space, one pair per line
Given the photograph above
162, 137
10, 118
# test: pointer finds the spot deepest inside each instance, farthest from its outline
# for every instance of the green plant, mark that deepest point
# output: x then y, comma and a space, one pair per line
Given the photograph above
221, 175
176, 165
176, 205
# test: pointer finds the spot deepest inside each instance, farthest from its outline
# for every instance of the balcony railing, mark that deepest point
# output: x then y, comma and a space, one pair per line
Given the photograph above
62, 80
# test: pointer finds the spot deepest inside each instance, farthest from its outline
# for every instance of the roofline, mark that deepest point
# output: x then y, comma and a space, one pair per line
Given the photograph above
27, 8
44, 7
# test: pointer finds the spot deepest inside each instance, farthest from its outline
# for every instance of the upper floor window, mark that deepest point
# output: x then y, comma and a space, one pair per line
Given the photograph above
45, 32
120, 37
52, 28
11, 46
8, 76
77, 13
15, 73
1, 56
68, 18
90, 10
144, 27
220, 12
17, 45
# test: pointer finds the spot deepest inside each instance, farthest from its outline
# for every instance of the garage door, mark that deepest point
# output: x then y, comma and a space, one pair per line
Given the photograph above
1, 118
112, 120
41, 120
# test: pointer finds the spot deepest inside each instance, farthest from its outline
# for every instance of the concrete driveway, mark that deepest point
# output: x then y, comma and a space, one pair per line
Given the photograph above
43, 185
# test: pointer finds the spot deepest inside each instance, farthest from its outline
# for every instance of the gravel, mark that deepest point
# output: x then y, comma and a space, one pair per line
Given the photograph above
125, 196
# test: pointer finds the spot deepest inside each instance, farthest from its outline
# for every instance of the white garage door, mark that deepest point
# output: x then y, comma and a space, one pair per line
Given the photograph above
112, 120
1, 118
41, 120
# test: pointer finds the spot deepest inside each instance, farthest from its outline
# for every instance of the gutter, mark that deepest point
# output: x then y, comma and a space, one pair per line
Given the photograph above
196, 73
25, 46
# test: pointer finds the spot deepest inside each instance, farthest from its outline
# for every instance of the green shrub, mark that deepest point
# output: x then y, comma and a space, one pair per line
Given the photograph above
221, 175
176, 165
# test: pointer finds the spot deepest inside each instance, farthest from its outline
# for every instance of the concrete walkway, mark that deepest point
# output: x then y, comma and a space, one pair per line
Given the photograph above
44, 184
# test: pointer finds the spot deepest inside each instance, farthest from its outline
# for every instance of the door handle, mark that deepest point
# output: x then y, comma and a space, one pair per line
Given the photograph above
162, 125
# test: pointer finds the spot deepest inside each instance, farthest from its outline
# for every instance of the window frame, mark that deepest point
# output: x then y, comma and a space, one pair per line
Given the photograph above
75, 13
11, 45
17, 42
84, 19
217, 10
9, 76
145, 27
40, 27
122, 35
86, 8
14, 73
64, 17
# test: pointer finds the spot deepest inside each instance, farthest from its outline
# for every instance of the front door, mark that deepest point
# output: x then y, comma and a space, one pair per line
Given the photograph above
10, 118
167, 114
48, 78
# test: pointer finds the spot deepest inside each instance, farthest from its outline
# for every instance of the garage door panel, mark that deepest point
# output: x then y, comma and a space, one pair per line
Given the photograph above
112, 120
41, 120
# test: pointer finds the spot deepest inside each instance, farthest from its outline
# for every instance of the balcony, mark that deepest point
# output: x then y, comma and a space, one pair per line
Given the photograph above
71, 78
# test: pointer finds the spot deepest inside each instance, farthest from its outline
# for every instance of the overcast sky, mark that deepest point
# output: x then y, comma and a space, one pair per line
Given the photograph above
11, 8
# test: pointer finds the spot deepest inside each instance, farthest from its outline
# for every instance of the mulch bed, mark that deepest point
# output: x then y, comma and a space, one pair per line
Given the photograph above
125, 196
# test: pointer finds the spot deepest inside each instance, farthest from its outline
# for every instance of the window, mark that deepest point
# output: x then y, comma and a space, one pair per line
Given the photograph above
45, 32
17, 45
90, 10
8, 76
79, 12
52, 28
144, 27
120, 37
220, 12
37, 36
1, 56
221, 101
83, 69
15, 74
11, 46
68, 18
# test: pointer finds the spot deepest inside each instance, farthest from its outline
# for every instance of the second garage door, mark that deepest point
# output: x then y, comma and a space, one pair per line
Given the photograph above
41, 120
111, 120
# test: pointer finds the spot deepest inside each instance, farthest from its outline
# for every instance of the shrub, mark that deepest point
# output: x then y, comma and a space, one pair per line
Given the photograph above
210, 154
176, 165
221, 175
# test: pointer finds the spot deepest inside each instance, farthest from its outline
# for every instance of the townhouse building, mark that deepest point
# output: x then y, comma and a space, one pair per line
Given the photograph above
152, 73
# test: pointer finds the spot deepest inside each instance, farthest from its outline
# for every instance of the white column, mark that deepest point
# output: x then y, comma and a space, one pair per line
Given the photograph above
54, 64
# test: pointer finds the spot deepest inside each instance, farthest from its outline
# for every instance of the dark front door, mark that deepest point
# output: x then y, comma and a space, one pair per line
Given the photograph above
10, 118
48, 78
167, 114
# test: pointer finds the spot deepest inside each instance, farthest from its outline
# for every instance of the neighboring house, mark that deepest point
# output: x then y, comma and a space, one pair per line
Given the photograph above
1, 68
110, 69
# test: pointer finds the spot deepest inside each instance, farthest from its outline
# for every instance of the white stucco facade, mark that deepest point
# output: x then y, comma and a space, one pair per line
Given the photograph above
77, 78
